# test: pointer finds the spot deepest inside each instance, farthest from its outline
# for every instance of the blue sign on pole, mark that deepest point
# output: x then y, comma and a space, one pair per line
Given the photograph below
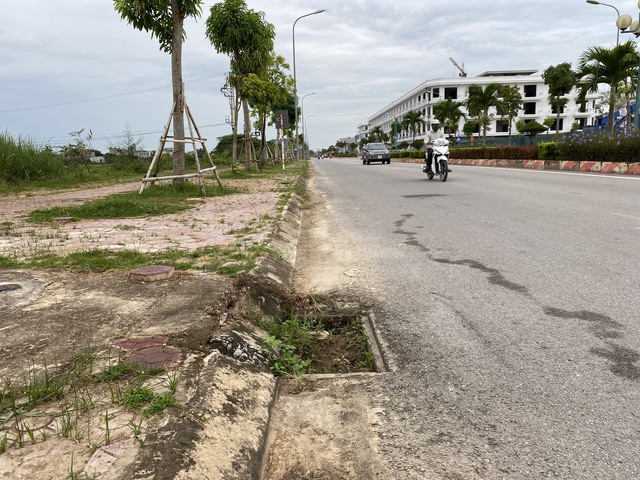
458, 138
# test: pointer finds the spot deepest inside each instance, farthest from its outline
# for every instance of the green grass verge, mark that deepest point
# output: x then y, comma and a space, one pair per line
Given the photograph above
229, 261
155, 200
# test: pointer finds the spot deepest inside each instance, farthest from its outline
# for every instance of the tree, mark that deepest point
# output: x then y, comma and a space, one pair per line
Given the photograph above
470, 127
511, 104
411, 121
265, 91
376, 133
244, 35
449, 113
396, 127
611, 66
560, 79
479, 101
165, 20
530, 129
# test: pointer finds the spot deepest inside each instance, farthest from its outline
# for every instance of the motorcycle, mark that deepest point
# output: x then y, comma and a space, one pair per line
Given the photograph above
440, 160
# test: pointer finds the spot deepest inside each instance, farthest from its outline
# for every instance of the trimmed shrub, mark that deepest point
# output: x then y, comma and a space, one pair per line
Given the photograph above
600, 146
547, 151
496, 153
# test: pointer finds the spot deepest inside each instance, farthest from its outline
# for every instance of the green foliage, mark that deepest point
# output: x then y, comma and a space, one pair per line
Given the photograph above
479, 101
291, 339
470, 128
243, 34
547, 151
511, 104
449, 113
411, 121
495, 153
530, 129
611, 66
22, 159
136, 397
155, 200
156, 17
417, 144
600, 147
408, 154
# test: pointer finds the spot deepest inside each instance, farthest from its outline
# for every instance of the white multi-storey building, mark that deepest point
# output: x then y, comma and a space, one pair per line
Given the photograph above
535, 95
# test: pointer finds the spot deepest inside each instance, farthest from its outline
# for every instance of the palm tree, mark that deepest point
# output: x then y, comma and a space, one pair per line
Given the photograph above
411, 120
449, 113
611, 66
479, 101
376, 133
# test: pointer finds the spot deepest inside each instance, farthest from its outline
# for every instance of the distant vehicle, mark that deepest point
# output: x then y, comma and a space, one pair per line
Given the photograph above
375, 152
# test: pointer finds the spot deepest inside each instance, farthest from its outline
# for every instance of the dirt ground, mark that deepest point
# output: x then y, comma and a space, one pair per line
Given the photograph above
50, 318
320, 429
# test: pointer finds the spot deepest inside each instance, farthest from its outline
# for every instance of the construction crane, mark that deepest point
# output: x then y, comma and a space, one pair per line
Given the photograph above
461, 68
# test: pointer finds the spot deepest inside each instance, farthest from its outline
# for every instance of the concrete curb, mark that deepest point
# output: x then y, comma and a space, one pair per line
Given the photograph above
569, 166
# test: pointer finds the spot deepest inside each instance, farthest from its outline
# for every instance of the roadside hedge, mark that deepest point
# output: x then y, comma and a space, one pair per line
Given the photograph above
496, 153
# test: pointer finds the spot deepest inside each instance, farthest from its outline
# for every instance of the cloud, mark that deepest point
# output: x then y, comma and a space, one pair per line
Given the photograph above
69, 64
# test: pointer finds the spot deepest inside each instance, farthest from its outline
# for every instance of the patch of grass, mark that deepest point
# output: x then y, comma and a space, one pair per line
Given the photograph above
291, 339
156, 200
160, 403
136, 397
229, 261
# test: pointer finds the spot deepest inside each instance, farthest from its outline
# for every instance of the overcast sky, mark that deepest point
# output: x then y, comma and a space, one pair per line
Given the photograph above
73, 64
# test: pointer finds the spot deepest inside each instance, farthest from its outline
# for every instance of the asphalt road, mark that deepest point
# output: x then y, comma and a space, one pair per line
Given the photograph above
508, 302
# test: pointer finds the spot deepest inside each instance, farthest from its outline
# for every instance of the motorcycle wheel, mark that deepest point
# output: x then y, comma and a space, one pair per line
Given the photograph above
444, 170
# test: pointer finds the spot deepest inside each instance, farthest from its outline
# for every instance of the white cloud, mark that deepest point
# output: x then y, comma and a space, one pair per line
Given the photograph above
71, 64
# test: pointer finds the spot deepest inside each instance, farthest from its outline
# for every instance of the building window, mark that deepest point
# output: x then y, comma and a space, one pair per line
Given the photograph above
558, 124
530, 90
502, 126
435, 93
529, 108
451, 92
554, 109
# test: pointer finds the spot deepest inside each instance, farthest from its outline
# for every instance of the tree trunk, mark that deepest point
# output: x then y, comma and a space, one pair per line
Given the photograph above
247, 134
263, 140
612, 108
178, 95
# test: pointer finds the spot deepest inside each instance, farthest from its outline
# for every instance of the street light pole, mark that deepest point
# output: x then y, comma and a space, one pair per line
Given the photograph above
295, 81
595, 2
627, 25
305, 140
302, 115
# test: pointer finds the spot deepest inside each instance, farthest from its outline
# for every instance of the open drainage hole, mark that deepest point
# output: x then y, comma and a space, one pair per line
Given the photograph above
9, 286
322, 343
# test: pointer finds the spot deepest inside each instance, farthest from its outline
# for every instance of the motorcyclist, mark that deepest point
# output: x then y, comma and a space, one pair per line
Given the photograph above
433, 134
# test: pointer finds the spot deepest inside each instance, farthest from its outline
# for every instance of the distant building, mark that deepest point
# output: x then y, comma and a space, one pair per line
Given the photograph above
535, 95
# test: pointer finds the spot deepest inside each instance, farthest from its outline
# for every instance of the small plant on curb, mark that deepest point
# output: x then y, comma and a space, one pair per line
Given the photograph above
285, 361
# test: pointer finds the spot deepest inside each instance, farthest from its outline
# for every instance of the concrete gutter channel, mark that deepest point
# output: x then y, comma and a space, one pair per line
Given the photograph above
276, 275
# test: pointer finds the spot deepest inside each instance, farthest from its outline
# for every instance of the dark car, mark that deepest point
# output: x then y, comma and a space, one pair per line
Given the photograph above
375, 152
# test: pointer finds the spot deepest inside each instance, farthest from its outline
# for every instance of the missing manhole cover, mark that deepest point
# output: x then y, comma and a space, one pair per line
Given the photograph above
9, 286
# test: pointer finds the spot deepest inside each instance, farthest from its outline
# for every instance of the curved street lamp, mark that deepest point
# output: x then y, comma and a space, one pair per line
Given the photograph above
595, 2
627, 24
295, 82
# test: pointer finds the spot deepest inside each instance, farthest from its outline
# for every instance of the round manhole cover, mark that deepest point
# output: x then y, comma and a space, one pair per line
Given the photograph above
9, 286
